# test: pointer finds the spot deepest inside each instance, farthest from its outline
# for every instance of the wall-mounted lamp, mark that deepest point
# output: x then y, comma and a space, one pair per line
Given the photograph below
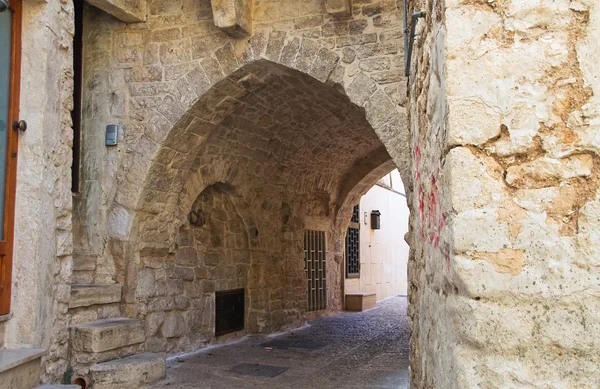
375, 220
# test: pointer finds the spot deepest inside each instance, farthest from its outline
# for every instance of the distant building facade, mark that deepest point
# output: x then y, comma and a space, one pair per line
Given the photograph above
383, 252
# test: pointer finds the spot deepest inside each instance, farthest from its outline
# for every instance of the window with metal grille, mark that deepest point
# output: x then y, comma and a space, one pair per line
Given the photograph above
353, 245
316, 271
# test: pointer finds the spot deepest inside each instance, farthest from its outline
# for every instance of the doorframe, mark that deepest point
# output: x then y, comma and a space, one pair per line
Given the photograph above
6, 246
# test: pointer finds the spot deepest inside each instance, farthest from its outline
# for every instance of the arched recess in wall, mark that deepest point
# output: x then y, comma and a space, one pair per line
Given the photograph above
214, 253
289, 131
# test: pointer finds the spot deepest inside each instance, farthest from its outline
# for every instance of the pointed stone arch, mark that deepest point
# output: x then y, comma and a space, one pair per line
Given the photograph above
209, 90
299, 139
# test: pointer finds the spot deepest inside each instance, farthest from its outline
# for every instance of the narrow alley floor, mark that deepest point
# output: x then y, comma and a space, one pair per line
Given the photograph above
349, 350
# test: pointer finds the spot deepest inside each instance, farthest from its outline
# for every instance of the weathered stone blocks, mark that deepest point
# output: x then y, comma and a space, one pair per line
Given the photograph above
211, 109
108, 334
126, 10
86, 295
233, 16
134, 371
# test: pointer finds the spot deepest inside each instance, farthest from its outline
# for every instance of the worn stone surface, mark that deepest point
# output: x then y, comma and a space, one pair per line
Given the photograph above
504, 173
135, 371
86, 295
277, 118
126, 10
299, 119
26, 375
347, 350
338, 7
108, 334
43, 211
233, 16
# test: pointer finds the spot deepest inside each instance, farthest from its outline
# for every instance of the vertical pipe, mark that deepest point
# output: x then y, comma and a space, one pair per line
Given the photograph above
406, 32
413, 24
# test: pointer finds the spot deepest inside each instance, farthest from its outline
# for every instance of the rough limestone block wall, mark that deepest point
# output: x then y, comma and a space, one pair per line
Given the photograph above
332, 89
214, 255
512, 301
125, 10
430, 287
43, 242
103, 104
179, 35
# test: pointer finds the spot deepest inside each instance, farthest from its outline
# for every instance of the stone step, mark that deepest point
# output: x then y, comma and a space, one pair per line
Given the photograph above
58, 386
107, 334
20, 368
361, 301
90, 294
129, 372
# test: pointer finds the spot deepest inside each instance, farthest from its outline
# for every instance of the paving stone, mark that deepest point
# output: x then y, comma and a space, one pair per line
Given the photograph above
258, 370
346, 350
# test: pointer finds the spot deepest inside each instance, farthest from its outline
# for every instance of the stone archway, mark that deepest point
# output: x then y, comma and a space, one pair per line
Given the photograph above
294, 140
197, 89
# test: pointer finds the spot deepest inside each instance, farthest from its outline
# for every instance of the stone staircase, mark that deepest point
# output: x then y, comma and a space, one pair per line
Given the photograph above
105, 346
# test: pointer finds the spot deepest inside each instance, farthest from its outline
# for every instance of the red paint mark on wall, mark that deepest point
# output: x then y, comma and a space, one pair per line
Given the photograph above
431, 216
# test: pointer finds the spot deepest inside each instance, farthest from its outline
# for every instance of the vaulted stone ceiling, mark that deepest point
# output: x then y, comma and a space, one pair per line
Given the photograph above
294, 131
272, 132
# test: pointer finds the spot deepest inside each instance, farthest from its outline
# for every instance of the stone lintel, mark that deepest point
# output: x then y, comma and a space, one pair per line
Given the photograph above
338, 7
129, 11
233, 16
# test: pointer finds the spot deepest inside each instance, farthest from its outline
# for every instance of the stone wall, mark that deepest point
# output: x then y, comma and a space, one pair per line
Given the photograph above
214, 254
298, 120
43, 242
292, 119
505, 163
431, 241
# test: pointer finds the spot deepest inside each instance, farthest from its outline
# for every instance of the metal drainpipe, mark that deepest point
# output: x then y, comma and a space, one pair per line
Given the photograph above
409, 36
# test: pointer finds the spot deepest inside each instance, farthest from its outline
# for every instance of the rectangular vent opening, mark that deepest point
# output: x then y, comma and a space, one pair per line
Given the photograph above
229, 311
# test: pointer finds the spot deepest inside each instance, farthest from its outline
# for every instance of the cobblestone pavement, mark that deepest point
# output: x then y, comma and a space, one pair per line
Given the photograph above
349, 350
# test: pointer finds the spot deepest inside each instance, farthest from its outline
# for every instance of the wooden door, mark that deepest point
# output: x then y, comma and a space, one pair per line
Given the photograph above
10, 73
